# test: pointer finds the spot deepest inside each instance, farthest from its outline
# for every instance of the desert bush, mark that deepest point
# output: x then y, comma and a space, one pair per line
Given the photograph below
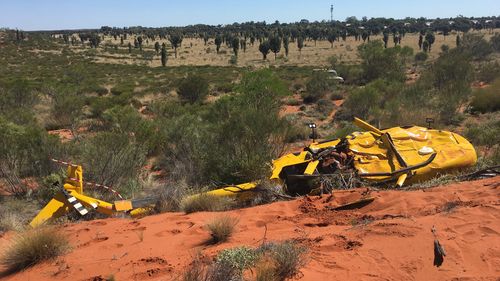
488, 72
49, 187
193, 88
285, 259
476, 46
24, 151
67, 108
317, 87
344, 129
292, 102
421, 57
199, 271
239, 258
206, 202
114, 159
324, 107
33, 247
485, 134
221, 228
289, 257
380, 62
486, 99
126, 120
495, 42
170, 197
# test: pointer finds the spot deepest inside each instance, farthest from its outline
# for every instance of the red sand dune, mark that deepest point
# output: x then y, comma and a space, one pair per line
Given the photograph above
389, 239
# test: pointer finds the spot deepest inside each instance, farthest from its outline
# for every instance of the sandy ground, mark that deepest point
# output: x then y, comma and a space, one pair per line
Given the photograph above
389, 239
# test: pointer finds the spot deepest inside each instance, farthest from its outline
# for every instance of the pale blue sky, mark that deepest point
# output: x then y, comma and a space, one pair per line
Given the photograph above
72, 14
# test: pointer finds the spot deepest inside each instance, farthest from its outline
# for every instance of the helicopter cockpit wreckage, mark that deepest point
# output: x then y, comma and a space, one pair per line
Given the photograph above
395, 156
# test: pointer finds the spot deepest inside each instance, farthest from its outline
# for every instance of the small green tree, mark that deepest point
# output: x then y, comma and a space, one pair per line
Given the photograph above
129, 47
264, 48
386, 39
205, 38
457, 41
275, 45
332, 36
300, 44
139, 42
176, 41
164, 56
236, 45
430, 38
193, 88
218, 42
286, 42
425, 46
420, 41
157, 47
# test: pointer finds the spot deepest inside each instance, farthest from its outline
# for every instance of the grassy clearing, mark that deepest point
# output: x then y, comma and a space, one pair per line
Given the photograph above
32, 247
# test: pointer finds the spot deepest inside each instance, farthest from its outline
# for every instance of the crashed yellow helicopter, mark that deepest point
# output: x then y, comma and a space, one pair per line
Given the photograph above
396, 155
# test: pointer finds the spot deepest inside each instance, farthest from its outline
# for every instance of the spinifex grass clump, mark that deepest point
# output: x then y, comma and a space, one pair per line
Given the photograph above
32, 247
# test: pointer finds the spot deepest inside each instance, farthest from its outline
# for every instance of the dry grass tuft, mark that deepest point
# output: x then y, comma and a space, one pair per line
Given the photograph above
221, 228
32, 247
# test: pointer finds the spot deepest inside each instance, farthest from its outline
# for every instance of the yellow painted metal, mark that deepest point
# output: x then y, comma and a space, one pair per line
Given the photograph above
74, 180
233, 190
102, 206
123, 205
364, 125
414, 144
138, 212
401, 180
311, 167
56, 207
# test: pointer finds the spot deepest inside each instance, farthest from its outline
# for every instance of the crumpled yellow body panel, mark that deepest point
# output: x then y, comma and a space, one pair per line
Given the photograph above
415, 145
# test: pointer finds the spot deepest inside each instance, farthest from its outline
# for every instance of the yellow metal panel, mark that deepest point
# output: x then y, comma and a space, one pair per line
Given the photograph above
102, 206
287, 160
55, 208
123, 205
74, 180
311, 167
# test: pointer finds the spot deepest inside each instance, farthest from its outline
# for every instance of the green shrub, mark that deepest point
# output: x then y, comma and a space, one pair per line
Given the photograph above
126, 120
230, 140
421, 57
239, 258
114, 159
324, 107
379, 62
193, 88
33, 247
486, 99
221, 228
67, 108
488, 72
475, 45
484, 134
317, 87
24, 151
495, 42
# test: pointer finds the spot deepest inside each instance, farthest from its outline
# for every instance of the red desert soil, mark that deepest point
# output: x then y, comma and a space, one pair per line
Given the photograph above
389, 239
